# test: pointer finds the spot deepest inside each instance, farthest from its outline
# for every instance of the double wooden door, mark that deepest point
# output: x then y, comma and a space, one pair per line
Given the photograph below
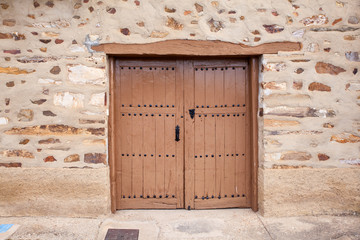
181, 132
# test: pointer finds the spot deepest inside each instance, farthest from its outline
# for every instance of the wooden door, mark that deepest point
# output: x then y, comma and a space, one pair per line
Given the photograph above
217, 150
148, 110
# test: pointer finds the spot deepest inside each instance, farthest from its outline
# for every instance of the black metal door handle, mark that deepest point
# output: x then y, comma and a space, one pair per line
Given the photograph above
177, 133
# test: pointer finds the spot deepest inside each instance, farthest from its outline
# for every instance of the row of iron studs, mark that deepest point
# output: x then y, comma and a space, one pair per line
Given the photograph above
215, 68
148, 196
219, 197
212, 155
150, 68
208, 106
152, 155
150, 105
152, 115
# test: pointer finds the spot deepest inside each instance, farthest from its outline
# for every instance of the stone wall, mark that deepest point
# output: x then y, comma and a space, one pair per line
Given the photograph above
53, 101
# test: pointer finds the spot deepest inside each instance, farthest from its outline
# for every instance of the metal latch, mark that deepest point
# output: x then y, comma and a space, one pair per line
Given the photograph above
192, 113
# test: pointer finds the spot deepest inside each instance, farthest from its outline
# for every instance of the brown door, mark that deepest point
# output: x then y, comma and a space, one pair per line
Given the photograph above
217, 166
181, 134
148, 112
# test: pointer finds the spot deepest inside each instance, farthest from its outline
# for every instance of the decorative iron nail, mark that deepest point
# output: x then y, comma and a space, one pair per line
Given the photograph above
134, 67
182, 117
238, 105
221, 105
161, 105
167, 68
159, 155
225, 105
173, 155
146, 114
129, 114
144, 155
173, 68
152, 115
215, 105
141, 196
219, 155
237, 114
150, 68
129, 67
200, 156
140, 67
243, 68
226, 68
152, 155
173, 105
225, 195
159, 115
233, 105
123, 114
196, 69
232, 195
155, 105
134, 114
155, 68
199, 115
206, 69
197, 106
206, 155
212, 196
237, 154
234, 115
238, 195
243, 195
123, 105
144, 105
154, 196
167, 105
140, 114
212, 155
122, 154
201, 69
127, 154
129, 197
122, 67
196, 196
232, 154
205, 115
202, 106
227, 155
123, 196
233, 68
217, 115
167, 155
243, 114
150, 105
222, 69
203, 198
223, 115
173, 115
162, 68
133, 155
130, 105
160, 196
228, 115
212, 115
243, 154
243, 105
207, 106
134, 196
167, 196
147, 196
173, 196
138, 105
139, 155
219, 197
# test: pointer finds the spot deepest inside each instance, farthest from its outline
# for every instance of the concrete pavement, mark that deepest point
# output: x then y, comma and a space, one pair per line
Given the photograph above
183, 224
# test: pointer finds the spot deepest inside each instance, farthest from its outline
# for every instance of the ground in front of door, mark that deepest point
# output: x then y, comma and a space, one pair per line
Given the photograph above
183, 224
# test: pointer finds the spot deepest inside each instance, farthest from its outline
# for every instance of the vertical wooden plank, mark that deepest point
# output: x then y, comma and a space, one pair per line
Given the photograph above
179, 120
125, 86
200, 87
219, 87
199, 156
149, 134
210, 155
220, 155
240, 86
189, 134
253, 99
170, 86
137, 163
241, 172
170, 157
126, 142
137, 86
209, 87
159, 87
113, 117
229, 75
159, 153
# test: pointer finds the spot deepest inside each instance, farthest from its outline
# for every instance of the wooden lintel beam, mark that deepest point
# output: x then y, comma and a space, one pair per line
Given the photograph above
196, 48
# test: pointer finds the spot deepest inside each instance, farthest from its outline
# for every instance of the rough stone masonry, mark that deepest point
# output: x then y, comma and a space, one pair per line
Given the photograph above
54, 88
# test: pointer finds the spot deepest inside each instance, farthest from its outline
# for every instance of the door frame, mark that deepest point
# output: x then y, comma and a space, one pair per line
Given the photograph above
188, 49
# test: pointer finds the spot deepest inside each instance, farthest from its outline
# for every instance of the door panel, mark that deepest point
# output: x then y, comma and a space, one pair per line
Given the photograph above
209, 166
149, 161
218, 170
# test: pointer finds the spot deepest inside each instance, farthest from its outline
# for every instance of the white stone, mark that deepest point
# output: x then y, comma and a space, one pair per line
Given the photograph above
277, 66
4, 120
93, 113
98, 99
313, 47
299, 33
272, 156
77, 48
49, 81
69, 100
80, 74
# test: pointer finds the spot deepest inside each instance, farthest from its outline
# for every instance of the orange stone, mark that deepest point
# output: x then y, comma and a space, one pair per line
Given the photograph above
72, 158
279, 123
345, 138
14, 70
315, 86
328, 68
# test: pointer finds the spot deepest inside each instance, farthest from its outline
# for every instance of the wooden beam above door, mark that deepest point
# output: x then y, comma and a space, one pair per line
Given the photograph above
195, 48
